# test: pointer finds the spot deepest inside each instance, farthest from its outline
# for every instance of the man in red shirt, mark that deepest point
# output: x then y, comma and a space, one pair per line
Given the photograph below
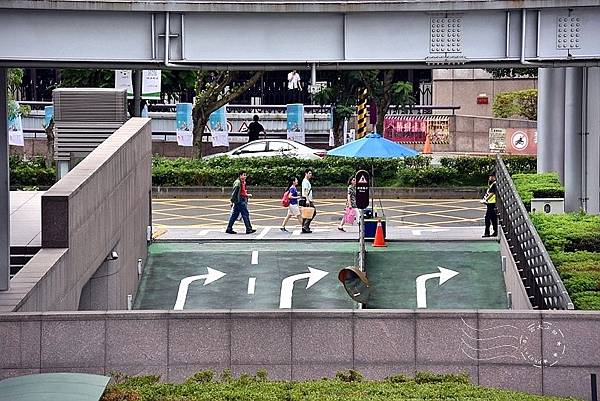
239, 204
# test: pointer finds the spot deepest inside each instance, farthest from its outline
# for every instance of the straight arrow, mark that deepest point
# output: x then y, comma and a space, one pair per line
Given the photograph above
212, 275
287, 285
444, 275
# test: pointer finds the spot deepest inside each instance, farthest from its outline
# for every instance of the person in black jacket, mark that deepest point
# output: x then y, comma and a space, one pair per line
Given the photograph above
254, 129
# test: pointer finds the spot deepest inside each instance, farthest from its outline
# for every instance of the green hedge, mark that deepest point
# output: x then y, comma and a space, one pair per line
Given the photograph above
347, 386
30, 173
546, 185
573, 240
333, 171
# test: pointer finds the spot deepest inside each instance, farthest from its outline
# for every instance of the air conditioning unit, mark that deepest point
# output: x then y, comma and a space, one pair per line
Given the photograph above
548, 205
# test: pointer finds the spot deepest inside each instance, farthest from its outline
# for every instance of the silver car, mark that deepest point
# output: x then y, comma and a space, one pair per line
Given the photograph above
274, 147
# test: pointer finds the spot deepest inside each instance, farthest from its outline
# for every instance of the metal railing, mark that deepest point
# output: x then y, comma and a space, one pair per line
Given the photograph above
544, 287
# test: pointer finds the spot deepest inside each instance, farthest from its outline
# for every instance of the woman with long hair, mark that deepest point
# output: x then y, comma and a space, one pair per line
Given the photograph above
293, 209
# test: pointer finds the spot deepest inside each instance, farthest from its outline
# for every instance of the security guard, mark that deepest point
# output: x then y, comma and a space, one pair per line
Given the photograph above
491, 218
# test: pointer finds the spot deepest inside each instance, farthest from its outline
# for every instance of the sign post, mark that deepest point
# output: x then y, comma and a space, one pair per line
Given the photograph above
362, 202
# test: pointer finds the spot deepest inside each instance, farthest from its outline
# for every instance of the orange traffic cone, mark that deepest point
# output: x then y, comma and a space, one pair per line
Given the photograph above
427, 147
379, 240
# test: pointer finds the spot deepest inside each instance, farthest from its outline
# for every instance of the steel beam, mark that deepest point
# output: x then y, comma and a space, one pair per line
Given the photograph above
4, 187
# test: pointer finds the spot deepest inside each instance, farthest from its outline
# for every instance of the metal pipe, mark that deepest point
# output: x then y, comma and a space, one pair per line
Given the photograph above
183, 36
507, 33
167, 37
313, 74
537, 40
584, 139
4, 187
153, 33
523, 36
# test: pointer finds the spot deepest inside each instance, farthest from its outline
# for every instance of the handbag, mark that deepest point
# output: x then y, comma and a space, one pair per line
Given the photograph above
349, 215
308, 212
302, 202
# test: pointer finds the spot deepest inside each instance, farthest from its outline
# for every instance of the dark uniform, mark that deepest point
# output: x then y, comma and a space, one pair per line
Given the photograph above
491, 217
254, 129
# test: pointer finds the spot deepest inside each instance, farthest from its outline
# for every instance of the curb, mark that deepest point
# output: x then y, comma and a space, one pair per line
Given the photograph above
322, 192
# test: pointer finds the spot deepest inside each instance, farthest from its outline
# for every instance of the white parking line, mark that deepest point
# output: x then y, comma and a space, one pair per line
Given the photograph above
263, 232
251, 285
254, 257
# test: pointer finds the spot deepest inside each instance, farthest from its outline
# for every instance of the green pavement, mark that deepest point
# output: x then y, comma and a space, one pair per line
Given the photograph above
274, 275
393, 271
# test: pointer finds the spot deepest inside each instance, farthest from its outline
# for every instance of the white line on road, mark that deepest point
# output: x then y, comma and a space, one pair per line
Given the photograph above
254, 257
212, 275
444, 275
251, 285
263, 232
287, 285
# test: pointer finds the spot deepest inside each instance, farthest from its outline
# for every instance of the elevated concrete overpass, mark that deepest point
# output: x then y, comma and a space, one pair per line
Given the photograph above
284, 34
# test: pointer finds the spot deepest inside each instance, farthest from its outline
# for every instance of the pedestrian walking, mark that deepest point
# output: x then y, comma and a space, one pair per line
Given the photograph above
351, 209
293, 210
254, 129
239, 202
294, 87
489, 199
307, 201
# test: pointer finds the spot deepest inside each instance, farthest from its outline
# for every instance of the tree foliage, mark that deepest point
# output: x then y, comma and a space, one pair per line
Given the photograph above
521, 103
212, 93
385, 91
341, 94
87, 78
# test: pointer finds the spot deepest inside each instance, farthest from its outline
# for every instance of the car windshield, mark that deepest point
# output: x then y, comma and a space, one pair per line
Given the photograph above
276, 146
254, 147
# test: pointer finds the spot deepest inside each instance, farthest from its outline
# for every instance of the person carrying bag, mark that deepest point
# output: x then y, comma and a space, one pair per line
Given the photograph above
306, 202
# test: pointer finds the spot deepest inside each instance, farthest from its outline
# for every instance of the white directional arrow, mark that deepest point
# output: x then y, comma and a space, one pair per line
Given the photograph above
287, 285
212, 275
444, 275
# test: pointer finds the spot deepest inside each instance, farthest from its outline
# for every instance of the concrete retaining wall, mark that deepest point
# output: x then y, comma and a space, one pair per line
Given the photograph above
102, 205
541, 352
512, 278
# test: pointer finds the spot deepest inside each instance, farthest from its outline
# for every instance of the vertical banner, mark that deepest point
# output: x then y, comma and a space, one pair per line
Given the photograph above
15, 131
151, 83
295, 122
217, 123
184, 124
48, 115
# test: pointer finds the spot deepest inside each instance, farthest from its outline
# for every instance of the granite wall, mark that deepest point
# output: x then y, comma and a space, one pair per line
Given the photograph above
549, 352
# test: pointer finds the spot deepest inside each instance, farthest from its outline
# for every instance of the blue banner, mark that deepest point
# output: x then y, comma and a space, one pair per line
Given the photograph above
217, 122
48, 115
295, 122
184, 124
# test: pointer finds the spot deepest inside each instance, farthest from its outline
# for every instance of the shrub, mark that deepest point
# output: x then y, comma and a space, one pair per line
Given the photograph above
545, 185
587, 300
30, 172
568, 232
522, 103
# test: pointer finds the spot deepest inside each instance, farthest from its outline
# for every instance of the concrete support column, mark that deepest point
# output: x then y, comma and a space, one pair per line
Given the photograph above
137, 92
4, 187
558, 122
544, 150
572, 164
592, 141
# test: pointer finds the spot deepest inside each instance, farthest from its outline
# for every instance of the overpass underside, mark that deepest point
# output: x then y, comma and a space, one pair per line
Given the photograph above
276, 35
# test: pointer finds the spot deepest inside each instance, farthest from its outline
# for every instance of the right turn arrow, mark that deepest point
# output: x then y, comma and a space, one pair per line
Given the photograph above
212, 275
444, 275
287, 285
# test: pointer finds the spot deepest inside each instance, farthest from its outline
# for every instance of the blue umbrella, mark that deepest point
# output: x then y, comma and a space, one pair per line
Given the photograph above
372, 145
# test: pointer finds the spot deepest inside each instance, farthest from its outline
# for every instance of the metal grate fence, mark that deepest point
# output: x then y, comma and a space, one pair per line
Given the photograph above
540, 278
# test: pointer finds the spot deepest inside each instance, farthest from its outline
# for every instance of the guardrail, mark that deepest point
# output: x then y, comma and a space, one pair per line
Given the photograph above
544, 287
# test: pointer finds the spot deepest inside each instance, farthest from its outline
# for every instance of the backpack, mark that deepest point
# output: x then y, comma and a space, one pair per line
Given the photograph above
285, 199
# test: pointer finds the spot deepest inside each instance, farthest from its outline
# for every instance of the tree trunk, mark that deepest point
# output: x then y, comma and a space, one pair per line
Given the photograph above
383, 103
199, 128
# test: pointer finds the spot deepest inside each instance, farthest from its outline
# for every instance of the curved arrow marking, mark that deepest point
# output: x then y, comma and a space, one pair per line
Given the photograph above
184, 284
444, 275
287, 285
